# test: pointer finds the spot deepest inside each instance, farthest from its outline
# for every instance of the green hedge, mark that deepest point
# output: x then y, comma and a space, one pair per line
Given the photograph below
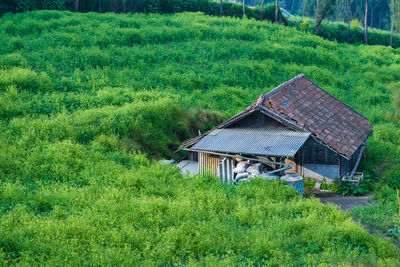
146, 6
205, 6
337, 31
28, 5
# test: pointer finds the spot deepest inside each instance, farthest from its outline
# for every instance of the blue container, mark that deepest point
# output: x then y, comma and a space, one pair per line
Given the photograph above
294, 180
271, 176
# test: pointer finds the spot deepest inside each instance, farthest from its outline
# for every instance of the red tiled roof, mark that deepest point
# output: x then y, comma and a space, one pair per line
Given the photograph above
301, 104
331, 121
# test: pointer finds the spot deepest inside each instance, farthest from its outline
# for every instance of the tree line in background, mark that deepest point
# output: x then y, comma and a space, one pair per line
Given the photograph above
379, 14
150, 6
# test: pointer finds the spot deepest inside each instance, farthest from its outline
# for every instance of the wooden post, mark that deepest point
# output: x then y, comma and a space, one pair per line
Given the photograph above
76, 5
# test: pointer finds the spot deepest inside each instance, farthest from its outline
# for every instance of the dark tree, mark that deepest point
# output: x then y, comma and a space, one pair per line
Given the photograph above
325, 8
276, 10
262, 10
366, 23
220, 8
76, 5
348, 17
395, 26
244, 8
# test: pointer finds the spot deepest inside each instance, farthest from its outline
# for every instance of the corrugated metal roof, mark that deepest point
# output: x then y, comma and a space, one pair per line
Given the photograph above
281, 142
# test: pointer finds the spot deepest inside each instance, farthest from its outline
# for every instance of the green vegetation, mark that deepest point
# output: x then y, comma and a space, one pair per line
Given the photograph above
338, 31
309, 183
153, 217
385, 215
89, 101
208, 7
333, 187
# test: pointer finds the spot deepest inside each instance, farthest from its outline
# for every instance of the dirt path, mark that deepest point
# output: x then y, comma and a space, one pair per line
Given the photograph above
345, 203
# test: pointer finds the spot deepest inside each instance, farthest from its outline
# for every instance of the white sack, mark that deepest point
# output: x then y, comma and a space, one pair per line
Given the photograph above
241, 167
241, 176
254, 168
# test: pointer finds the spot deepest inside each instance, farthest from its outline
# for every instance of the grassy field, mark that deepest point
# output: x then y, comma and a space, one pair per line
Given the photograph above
89, 101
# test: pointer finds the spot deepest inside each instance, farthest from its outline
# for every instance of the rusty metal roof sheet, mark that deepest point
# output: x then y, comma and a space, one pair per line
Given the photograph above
281, 142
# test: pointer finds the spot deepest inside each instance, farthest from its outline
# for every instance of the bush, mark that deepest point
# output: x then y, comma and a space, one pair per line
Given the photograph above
203, 120
333, 186
349, 189
25, 79
355, 23
13, 60
309, 182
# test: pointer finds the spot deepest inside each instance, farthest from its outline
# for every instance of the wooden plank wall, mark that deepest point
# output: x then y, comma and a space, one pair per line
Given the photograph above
208, 164
296, 166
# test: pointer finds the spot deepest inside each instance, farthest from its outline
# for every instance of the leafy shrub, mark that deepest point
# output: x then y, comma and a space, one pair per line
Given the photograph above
25, 79
355, 23
309, 182
14, 60
95, 57
349, 189
305, 25
329, 186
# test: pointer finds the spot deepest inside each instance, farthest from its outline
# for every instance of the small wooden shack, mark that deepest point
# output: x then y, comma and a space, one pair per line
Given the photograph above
297, 127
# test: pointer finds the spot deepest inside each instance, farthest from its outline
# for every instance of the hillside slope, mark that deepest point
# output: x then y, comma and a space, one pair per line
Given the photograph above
87, 99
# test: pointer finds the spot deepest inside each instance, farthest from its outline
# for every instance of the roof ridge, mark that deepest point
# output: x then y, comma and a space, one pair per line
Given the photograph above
283, 85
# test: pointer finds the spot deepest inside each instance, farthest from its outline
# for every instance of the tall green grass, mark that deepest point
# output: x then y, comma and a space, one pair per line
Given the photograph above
88, 101
149, 215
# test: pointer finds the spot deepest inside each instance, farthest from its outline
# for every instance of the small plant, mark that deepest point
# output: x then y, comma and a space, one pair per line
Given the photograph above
305, 24
309, 183
333, 186
324, 185
349, 189
355, 23
328, 186
394, 232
